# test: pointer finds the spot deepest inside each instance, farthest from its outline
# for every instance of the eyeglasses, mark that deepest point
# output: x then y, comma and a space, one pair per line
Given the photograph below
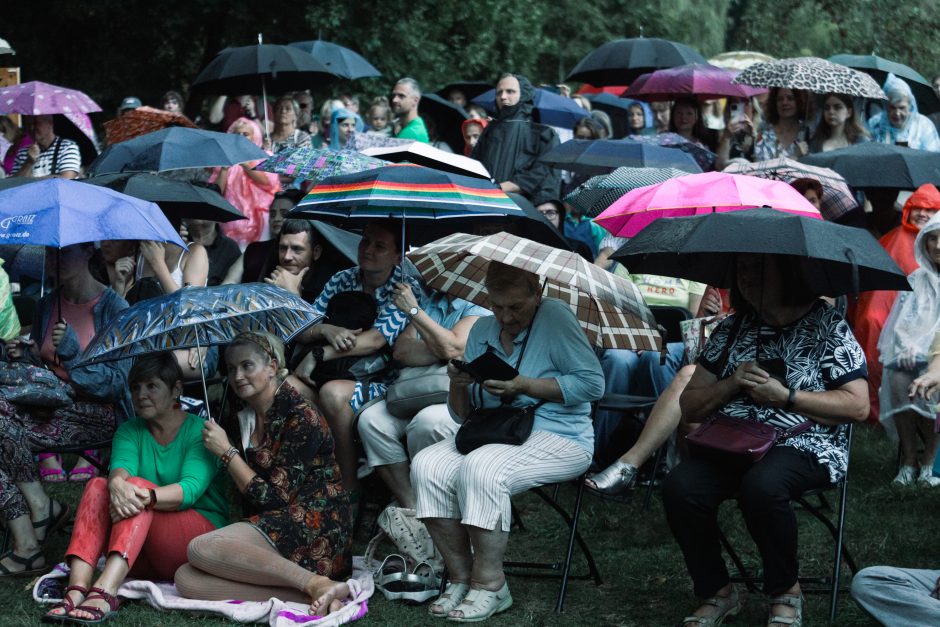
550, 213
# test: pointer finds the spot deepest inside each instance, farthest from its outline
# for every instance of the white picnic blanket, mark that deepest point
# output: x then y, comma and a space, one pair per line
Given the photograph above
273, 612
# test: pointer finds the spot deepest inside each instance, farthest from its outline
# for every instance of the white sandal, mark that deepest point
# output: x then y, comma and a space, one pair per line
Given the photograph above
453, 595
480, 605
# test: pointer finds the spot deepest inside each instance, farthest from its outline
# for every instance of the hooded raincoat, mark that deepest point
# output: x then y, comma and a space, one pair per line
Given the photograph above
918, 131
908, 333
511, 145
869, 314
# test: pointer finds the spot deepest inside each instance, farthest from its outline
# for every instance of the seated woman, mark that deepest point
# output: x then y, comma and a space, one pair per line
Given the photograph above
779, 332
639, 119
65, 322
686, 119
163, 491
840, 126
904, 344
465, 499
298, 532
785, 133
901, 123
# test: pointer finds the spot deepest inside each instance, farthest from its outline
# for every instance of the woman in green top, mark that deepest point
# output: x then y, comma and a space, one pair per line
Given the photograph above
164, 489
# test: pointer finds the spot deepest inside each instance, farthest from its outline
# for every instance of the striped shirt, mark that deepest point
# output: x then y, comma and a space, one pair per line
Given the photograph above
68, 159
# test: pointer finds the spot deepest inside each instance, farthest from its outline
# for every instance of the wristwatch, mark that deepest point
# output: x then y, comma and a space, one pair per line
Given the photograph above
413, 312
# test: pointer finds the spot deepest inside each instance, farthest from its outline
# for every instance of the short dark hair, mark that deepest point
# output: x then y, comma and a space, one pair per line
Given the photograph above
390, 225
293, 195
292, 226
162, 366
805, 183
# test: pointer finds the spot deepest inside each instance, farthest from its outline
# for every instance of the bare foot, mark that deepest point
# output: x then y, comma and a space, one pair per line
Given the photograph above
328, 598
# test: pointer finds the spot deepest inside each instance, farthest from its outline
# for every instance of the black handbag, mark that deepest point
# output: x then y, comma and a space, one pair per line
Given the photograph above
505, 424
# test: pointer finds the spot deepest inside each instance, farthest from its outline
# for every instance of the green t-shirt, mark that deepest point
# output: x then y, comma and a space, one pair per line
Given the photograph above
184, 461
9, 320
415, 130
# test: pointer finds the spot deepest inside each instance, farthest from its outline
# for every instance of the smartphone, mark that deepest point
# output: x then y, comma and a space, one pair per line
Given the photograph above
776, 368
737, 112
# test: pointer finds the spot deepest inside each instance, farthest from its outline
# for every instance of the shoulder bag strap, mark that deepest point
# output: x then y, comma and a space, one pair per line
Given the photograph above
55, 155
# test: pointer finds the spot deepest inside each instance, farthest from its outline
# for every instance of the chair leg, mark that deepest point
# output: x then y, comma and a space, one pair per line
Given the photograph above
566, 567
657, 460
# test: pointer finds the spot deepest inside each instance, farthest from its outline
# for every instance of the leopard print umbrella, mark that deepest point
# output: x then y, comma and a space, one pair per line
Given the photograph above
812, 74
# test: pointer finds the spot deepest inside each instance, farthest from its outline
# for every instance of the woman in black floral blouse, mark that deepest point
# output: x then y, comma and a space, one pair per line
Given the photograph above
297, 536
783, 358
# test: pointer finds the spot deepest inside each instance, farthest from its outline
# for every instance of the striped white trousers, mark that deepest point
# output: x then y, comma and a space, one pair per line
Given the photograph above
476, 488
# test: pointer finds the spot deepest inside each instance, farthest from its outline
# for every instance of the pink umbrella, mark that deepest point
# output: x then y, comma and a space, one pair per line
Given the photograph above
696, 194
38, 98
699, 80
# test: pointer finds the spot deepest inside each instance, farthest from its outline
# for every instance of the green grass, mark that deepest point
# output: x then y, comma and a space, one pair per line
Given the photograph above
645, 583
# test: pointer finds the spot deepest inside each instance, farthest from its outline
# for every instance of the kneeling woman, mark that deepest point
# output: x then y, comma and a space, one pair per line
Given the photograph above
783, 358
299, 531
465, 499
164, 489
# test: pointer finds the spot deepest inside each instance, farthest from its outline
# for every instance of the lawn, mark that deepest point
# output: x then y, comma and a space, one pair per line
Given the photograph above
644, 579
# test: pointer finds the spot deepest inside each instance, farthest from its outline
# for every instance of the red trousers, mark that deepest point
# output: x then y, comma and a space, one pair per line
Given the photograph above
153, 542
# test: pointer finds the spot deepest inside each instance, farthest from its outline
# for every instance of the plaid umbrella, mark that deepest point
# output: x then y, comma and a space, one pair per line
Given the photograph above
141, 121
610, 309
316, 164
600, 192
704, 157
837, 198
812, 74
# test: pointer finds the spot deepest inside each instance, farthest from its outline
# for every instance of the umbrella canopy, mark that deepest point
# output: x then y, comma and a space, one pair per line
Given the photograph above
812, 74
835, 259
837, 198
620, 61
200, 316
141, 121
704, 157
446, 118
337, 59
599, 192
618, 110
610, 309
177, 199
711, 192
176, 149
5, 47
38, 98
739, 60
59, 212
76, 126
470, 89
316, 164
364, 141
701, 80
408, 191
240, 70
427, 155
23, 261
873, 165
879, 68
548, 108
600, 156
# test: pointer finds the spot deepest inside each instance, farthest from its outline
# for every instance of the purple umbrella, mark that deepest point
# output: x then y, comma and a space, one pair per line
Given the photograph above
700, 80
38, 98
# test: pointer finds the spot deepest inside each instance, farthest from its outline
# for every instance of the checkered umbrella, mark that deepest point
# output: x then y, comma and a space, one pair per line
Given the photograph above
600, 192
837, 198
610, 309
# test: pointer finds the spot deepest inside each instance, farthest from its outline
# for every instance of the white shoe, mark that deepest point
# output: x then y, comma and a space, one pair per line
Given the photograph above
906, 475
926, 477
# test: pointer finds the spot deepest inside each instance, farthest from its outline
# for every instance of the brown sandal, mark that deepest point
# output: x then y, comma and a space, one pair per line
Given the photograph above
99, 615
65, 604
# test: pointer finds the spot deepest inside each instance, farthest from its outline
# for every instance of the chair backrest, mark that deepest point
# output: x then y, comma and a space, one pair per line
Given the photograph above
669, 317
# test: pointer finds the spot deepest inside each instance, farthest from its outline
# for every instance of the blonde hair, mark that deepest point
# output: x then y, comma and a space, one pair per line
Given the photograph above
267, 344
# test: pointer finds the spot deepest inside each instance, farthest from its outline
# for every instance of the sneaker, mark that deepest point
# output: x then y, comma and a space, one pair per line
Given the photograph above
926, 477
906, 475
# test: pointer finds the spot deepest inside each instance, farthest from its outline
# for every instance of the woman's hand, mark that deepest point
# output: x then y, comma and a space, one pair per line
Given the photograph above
124, 268
748, 376
711, 303
18, 349
907, 360
458, 377
215, 439
126, 499
507, 390
404, 298
59, 330
153, 252
925, 386
339, 338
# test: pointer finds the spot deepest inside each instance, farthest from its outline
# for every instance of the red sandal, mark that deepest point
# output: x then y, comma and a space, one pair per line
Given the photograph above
98, 615
65, 604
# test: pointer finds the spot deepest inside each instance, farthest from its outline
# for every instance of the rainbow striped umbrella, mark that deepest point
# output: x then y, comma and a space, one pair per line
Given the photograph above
406, 191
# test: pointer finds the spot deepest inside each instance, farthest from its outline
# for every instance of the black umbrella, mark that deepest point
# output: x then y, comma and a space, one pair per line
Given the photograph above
872, 165
64, 127
177, 199
341, 61
879, 67
470, 89
447, 118
176, 148
601, 156
835, 259
620, 61
237, 71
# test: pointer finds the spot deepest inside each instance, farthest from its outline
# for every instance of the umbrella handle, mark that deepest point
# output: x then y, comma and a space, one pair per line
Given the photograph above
202, 375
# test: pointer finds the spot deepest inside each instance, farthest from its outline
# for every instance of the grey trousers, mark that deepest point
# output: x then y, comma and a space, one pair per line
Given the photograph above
898, 597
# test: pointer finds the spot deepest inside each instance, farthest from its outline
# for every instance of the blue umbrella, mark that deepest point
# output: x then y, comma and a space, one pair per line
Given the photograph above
601, 156
60, 212
550, 108
176, 148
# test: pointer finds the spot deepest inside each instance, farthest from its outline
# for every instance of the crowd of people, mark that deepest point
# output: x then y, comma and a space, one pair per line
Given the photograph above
308, 420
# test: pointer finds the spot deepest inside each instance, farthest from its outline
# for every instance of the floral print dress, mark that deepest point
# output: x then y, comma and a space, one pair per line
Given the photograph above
297, 497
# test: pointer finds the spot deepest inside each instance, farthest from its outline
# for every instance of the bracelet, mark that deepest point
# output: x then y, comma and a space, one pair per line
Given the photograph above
153, 499
791, 399
229, 455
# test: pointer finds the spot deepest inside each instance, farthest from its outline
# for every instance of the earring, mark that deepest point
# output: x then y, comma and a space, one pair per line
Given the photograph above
177, 404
